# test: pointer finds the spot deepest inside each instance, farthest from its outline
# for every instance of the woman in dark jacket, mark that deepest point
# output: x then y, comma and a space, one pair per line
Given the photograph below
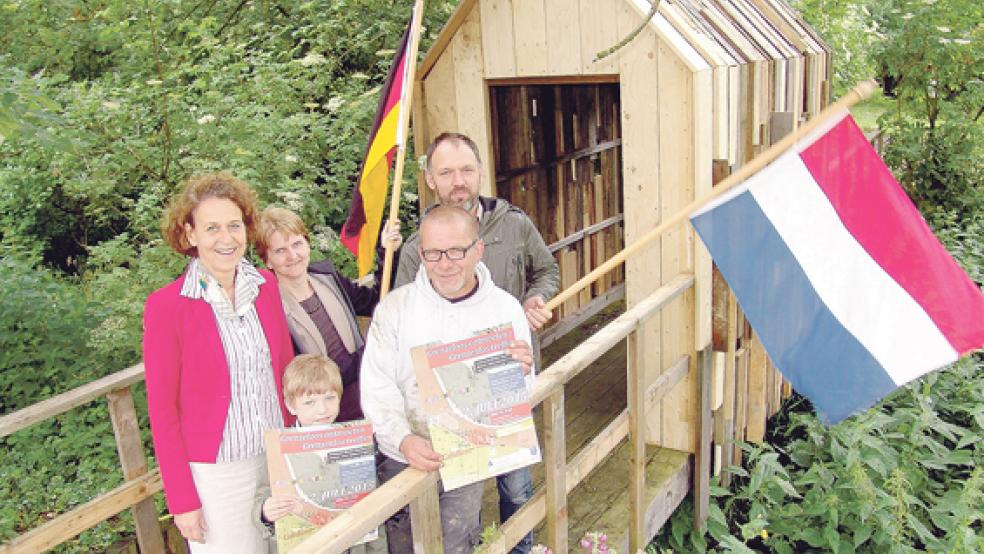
321, 305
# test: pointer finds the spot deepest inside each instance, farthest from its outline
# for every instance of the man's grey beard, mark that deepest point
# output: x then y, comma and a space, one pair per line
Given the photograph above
467, 205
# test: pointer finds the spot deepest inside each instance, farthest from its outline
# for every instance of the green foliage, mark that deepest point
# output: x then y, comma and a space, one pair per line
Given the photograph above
932, 58
846, 27
53, 466
281, 95
903, 477
25, 110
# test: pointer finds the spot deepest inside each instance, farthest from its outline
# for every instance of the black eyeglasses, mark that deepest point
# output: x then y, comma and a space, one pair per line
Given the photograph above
453, 254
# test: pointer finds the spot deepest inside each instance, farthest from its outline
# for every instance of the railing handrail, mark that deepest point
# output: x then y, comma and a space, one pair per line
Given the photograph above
386, 499
339, 533
61, 403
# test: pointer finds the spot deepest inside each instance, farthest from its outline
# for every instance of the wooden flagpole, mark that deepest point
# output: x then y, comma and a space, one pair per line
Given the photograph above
405, 102
860, 92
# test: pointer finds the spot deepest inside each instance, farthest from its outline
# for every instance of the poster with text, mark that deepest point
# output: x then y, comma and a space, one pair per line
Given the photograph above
477, 402
327, 468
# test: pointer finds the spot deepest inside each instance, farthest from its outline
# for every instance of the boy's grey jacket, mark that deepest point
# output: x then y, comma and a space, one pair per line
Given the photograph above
514, 252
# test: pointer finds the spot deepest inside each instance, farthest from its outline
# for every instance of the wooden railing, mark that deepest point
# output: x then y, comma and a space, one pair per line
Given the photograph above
561, 475
413, 487
139, 486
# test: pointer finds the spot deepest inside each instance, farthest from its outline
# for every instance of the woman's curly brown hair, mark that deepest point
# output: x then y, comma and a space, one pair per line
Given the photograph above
197, 189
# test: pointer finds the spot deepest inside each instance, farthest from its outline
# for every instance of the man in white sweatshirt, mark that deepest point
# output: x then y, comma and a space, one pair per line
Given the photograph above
452, 298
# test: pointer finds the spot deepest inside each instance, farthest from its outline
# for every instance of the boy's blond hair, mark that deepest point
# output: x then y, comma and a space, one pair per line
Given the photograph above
311, 374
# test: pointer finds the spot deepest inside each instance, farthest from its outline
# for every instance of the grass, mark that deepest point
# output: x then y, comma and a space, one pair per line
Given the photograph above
867, 112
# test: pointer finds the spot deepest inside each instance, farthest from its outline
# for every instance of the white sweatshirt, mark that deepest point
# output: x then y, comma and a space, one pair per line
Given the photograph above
413, 315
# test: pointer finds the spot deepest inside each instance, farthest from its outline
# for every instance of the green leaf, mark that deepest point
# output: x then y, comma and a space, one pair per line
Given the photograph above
732, 544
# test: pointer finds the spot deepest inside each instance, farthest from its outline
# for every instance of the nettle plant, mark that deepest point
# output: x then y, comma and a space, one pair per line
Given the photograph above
902, 477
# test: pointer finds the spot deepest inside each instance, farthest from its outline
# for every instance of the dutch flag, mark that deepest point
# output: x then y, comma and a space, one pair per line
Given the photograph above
849, 290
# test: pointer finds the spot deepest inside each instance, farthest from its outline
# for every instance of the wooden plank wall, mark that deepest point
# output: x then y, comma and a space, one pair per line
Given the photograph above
641, 144
542, 38
453, 97
557, 156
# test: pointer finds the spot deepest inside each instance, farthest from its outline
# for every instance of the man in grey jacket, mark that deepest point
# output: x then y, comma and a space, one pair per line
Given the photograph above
515, 254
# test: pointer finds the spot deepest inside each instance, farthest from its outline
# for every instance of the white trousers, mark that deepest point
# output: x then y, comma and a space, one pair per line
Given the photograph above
227, 491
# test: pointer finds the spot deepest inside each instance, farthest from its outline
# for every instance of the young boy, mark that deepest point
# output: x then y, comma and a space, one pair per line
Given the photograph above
312, 393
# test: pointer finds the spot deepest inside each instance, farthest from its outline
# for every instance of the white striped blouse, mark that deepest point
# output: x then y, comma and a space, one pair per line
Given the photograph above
254, 406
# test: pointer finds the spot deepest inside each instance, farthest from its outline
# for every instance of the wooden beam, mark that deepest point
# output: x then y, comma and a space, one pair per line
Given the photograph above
564, 369
669, 496
587, 231
555, 470
666, 381
595, 452
448, 32
717, 382
35, 413
584, 313
757, 393
129, 445
741, 399
702, 461
353, 524
506, 174
554, 80
726, 415
636, 401
425, 521
90, 514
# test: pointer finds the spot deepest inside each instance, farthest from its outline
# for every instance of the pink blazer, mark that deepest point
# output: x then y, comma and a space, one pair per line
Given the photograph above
188, 380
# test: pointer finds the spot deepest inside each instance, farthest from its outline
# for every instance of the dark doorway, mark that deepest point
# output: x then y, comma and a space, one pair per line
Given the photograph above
557, 155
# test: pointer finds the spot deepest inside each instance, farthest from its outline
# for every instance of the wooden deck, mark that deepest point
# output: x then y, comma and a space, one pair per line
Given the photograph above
595, 398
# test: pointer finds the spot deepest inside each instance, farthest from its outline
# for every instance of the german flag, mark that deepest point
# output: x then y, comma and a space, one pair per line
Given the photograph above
361, 230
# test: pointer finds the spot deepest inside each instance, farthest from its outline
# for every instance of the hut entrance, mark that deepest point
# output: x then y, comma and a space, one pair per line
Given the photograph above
557, 150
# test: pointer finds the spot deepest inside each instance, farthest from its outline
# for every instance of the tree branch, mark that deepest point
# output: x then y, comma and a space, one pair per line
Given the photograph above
635, 32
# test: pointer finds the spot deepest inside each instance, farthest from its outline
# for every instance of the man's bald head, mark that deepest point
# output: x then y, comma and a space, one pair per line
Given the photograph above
451, 215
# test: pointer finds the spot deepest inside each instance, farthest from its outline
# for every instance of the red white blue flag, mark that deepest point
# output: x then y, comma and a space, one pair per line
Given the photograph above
848, 288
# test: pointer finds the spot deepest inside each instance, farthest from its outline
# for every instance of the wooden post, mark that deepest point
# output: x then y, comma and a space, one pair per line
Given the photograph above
555, 469
741, 401
636, 392
730, 390
757, 392
425, 521
134, 464
702, 462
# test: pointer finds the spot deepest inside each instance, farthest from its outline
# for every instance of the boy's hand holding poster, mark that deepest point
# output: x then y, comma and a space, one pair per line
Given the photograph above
326, 468
477, 405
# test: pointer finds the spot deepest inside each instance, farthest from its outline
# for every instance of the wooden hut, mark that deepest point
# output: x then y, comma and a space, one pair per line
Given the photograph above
599, 151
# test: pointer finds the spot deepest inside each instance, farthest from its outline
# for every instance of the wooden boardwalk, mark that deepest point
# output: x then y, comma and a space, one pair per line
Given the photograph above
595, 398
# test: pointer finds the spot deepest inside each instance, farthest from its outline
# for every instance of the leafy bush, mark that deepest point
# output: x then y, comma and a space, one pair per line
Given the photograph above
60, 463
902, 477
846, 27
931, 54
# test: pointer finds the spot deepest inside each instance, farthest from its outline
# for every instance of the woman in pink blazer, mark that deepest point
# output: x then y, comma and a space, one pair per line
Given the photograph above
215, 346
